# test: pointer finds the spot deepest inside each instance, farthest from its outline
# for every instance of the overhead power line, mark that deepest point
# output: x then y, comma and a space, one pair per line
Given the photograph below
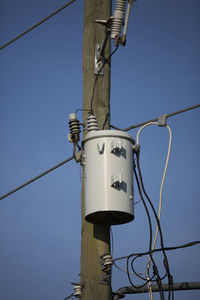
37, 24
157, 119
36, 178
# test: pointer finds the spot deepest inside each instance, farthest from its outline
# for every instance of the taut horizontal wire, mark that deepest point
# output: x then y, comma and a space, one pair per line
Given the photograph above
36, 178
37, 24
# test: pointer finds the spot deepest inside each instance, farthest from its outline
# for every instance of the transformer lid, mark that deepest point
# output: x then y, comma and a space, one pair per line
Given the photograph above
108, 133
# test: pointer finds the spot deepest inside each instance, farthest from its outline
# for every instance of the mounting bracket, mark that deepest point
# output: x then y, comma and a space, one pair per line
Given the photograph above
100, 49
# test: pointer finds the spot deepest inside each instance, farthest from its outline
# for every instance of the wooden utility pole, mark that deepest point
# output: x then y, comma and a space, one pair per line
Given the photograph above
95, 238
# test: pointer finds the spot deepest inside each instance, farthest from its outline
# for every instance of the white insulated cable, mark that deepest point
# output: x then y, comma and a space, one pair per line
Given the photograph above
160, 205
138, 133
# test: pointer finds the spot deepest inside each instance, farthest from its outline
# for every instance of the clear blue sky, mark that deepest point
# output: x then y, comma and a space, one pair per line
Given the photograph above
41, 83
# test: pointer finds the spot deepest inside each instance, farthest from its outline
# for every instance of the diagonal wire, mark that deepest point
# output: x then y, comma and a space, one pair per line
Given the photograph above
190, 244
97, 76
36, 178
157, 119
36, 25
69, 297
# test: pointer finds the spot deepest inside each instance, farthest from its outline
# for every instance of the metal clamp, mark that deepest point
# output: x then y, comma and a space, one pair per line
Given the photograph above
162, 121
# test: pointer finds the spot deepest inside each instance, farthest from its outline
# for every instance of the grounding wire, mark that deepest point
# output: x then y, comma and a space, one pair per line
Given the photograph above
37, 24
156, 119
36, 178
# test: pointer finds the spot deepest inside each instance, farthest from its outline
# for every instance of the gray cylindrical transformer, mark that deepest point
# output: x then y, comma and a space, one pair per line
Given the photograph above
108, 177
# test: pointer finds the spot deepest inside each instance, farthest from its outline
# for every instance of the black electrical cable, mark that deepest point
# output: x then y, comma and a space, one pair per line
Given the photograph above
106, 60
145, 206
158, 223
166, 264
139, 254
37, 177
141, 277
106, 118
150, 244
156, 119
150, 240
158, 279
129, 278
190, 244
37, 24
81, 109
69, 297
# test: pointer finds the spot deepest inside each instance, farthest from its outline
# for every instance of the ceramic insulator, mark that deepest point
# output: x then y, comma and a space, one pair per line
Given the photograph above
74, 126
118, 20
92, 124
107, 261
